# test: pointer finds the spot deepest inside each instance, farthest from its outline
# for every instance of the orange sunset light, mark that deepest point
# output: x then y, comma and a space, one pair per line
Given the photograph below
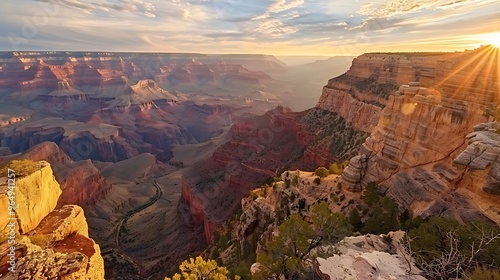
490, 39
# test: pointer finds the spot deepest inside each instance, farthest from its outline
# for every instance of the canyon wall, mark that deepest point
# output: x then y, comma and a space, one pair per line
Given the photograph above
30, 71
360, 94
420, 133
114, 106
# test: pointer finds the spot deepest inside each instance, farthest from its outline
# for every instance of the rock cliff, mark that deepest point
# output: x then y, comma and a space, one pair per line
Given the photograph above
360, 94
49, 243
29, 191
420, 132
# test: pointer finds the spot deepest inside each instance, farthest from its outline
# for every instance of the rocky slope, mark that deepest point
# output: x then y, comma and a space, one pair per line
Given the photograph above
357, 257
423, 129
368, 256
49, 242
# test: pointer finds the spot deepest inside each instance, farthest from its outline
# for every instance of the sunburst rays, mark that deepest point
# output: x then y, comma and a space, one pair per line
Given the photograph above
474, 75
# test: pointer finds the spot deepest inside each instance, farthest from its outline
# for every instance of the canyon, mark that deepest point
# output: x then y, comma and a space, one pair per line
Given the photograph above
178, 143
80, 100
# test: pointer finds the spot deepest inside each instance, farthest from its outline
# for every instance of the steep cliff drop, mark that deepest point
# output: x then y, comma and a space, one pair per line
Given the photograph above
415, 151
49, 242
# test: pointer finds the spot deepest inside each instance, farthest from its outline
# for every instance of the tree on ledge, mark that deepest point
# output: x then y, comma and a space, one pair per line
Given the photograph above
322, 172
199, 269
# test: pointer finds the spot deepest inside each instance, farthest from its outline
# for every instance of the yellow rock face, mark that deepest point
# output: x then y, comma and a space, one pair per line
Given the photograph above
53, 243
36, 197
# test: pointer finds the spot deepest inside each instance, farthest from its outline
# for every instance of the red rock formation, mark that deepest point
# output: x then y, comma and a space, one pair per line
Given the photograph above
34, 71
261, 147
81, 182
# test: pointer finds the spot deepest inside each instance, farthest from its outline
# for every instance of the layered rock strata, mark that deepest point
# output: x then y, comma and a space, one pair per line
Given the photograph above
422, 130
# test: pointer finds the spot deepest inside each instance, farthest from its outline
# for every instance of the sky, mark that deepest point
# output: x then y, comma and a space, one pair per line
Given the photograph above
277, 27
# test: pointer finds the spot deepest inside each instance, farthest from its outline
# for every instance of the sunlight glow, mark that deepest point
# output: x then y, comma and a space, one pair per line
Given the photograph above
491, 39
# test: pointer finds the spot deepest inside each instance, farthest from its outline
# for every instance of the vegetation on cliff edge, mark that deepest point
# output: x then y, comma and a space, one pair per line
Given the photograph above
21, 167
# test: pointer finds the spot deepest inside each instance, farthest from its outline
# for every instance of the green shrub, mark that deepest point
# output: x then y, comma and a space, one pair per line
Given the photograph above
355, 219
322, 172
335, 169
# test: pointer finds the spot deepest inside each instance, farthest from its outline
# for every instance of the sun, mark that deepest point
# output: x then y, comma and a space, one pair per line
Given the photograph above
492, 39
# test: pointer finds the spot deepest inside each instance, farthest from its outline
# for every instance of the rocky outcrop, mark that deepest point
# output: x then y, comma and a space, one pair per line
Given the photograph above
29, 191
49, 243
480, 164
75, 257
369, 256
419, 133
273, 204
47, 151
361, 115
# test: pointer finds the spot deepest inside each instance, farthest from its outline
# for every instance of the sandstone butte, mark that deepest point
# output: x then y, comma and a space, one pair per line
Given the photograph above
51, 242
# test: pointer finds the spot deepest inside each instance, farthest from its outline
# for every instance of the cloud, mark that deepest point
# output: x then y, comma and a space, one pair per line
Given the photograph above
243, 26
402, 7
283, 5
130, 6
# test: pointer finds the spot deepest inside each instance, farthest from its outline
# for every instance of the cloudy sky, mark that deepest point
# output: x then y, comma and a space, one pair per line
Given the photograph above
279, 27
